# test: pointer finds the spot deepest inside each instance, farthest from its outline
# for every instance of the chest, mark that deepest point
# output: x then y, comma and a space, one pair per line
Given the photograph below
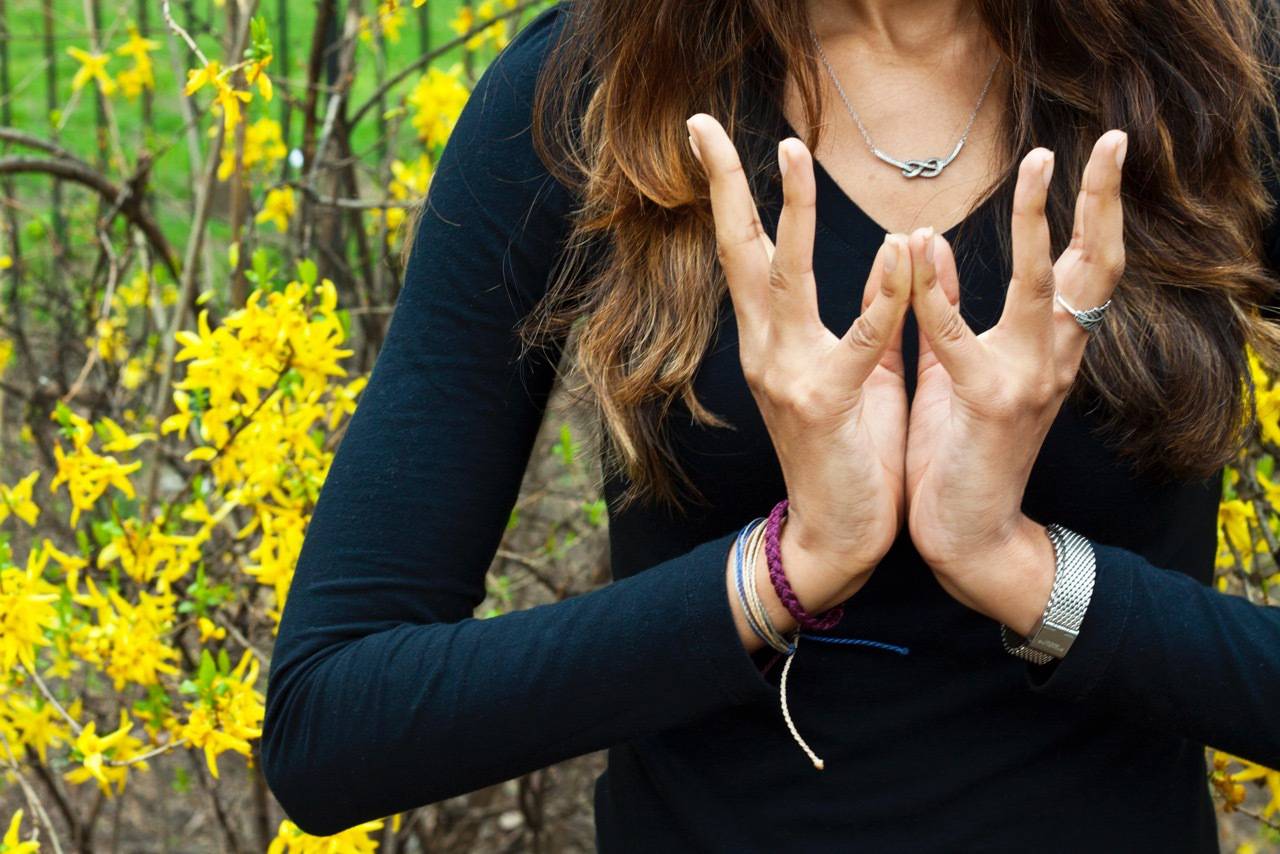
908, 114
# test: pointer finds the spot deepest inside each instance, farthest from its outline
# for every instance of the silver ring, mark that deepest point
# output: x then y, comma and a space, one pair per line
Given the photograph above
1090, 318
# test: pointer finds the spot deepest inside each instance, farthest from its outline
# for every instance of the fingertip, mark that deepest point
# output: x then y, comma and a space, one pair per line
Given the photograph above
890, 249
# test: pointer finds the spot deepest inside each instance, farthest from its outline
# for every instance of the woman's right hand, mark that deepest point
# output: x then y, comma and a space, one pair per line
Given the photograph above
835, 406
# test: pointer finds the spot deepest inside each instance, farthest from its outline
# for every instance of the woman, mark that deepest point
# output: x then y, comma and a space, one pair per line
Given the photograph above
966, 206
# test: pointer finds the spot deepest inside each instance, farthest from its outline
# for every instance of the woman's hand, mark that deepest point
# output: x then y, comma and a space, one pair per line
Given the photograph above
835, 406
984, 403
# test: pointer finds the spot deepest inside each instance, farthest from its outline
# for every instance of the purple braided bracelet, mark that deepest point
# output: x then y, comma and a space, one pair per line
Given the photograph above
773, 553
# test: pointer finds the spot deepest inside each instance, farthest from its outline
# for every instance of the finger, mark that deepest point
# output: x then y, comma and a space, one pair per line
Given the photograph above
743, 246
793, 291
1100, 238
949, 280
951, 340
1028, 306
869, 336
891, 359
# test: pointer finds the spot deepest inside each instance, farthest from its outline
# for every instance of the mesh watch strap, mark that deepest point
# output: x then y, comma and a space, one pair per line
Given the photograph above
1059, 625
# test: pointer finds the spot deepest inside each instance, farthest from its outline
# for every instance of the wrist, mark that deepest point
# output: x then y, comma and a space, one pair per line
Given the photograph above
821, 577
1023, 574
1009, 582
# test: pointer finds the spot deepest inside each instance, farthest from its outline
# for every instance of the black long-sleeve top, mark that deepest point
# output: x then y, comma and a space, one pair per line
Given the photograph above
385, 693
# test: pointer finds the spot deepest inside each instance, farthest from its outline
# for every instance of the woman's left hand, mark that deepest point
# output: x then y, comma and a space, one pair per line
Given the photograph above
984, 403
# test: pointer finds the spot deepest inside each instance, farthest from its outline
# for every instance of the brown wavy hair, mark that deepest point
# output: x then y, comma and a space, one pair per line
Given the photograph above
1191, 81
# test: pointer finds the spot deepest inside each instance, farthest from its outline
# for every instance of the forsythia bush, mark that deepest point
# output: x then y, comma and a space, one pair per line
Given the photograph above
101, 619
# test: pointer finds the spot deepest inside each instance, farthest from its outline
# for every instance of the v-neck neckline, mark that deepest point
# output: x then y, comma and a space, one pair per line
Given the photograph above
845, 217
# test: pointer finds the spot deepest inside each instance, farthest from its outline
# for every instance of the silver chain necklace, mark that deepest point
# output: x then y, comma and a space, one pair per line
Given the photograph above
927, 167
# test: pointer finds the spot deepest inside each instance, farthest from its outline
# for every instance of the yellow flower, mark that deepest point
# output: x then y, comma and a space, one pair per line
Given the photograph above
11, 844
179, 421
210, 629
278, 208
198, 78
437, 100
391, 18
257, 72
141, 75
354, 840
96, 751
229, 99
26, 611
93, 66
17, 500
37, 726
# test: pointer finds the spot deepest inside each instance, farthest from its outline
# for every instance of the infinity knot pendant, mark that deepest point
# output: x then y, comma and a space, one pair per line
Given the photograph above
915, 168
922, 168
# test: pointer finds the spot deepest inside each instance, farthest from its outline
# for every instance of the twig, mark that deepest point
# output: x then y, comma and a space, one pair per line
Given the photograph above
141, 757
181, 33
44, 689
30, 794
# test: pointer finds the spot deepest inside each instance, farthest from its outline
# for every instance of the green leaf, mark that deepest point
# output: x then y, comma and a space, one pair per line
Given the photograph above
307, 271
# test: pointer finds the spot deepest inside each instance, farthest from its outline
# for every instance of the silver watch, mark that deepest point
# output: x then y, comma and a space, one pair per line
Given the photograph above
1058, 626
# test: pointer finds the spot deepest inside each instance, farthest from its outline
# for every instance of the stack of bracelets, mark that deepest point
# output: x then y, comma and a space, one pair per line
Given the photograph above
746, 549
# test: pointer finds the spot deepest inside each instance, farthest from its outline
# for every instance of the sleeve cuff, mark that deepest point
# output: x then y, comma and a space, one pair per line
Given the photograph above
717, 648
1078, 673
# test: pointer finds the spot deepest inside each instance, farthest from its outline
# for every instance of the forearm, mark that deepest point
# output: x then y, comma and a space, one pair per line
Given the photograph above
415, 713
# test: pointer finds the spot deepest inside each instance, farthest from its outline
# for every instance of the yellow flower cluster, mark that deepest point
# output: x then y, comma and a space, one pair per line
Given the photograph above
87, 473
409, 181
127, 641
437, 100
264, 148
356, 840
390, 18
1249, 513
26, 611
1229, 784
471, 17
131, 81
228, 712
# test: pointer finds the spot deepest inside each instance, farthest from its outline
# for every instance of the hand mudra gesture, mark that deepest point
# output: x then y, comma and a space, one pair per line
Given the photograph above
835, 406
984, 403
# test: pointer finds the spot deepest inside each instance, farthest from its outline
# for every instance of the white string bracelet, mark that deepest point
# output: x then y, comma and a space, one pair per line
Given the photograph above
786, 712
762, 625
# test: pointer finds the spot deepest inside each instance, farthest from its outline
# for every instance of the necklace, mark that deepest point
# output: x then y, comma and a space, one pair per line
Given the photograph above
914, 168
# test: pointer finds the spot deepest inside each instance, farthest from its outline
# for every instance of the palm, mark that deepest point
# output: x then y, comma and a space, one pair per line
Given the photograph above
984, 403
882, 424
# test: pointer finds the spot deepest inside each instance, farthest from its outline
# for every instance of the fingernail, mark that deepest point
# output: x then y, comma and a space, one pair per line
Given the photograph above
782, 160
1048, 169
693, 143
890, 255
1120, 150
928, 245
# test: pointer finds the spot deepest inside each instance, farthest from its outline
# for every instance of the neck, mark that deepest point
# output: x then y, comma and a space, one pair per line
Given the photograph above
912, 27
